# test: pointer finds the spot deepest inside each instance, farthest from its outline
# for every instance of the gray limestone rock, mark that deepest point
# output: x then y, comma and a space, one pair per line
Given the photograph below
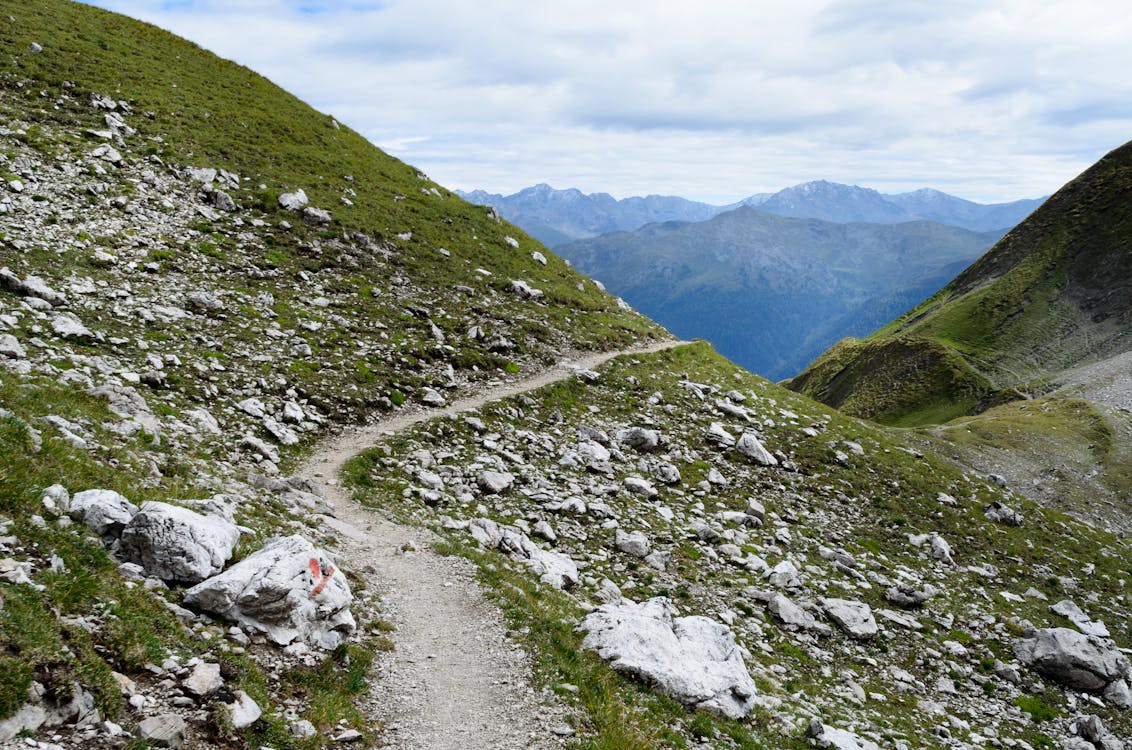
10, 347
295, 201
633, 543
104, 511
838, 739
68, 326
1083, 662
316, 216
289, 589
694, 660
640, 439
176, 544
166, 730
855, 618
203, 680
494, 482
750, 446
553, 568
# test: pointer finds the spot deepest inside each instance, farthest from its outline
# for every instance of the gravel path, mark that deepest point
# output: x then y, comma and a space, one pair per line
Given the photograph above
455, 680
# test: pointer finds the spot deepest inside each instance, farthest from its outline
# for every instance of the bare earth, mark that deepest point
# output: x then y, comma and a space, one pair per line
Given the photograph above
455, 680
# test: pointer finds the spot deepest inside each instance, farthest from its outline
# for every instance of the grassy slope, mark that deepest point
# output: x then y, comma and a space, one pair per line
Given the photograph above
1055, 292
866, 505
192, 108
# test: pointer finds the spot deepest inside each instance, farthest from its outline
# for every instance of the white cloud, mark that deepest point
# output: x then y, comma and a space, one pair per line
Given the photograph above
989, 99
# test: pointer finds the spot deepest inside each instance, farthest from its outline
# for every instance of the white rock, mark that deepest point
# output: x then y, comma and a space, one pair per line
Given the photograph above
289, 590
1069, 609
166, 730
1083, 662
244, 711
789, 613
538, 257
855, 618
176, 544
525, 290
692, 659
553, 568
104, 511
494, 482
749, 445
10, 347
203, 680
838, 739
294, 201
633, 543
69, 326
640, 487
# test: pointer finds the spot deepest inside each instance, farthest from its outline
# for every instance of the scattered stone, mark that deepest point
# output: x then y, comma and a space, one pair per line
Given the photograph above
694, 660
634, 543
1083, 662
243, 712
553, 568
838, 739
295, 201
166, 730
10, 347
749, 445
104, 511
855, 618
494, 482
204, 680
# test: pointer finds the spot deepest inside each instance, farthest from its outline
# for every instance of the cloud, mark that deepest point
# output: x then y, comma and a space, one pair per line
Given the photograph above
991, 99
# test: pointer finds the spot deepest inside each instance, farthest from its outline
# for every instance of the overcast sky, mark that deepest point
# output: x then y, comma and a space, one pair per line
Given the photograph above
715, 100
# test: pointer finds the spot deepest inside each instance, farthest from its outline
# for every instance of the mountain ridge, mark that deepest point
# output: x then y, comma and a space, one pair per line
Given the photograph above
552, 215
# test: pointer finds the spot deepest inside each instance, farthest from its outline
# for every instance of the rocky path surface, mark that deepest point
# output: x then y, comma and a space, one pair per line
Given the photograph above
455, 680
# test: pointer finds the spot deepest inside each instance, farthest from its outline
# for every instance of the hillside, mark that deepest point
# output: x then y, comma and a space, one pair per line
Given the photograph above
1052, 295
211, 296
770, 292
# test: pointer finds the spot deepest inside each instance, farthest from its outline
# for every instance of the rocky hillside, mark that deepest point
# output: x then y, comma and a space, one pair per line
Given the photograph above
804, 578
200, 275
771, 292
203, 281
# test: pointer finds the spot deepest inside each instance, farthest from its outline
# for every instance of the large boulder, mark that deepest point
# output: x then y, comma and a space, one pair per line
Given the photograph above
104, 511
177, 544
1083, 662
750, 446
289, 590
855, 618
553, 568
692, 659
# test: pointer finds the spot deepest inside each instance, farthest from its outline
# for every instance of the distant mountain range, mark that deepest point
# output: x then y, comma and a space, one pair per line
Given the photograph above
558, 216
772, 292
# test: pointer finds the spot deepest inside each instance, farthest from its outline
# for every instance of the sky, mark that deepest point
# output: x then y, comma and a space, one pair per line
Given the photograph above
991, 100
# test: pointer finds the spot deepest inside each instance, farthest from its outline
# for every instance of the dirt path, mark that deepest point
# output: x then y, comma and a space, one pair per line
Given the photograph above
454, 680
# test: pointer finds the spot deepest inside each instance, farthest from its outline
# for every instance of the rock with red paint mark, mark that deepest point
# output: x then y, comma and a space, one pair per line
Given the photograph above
289, 590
